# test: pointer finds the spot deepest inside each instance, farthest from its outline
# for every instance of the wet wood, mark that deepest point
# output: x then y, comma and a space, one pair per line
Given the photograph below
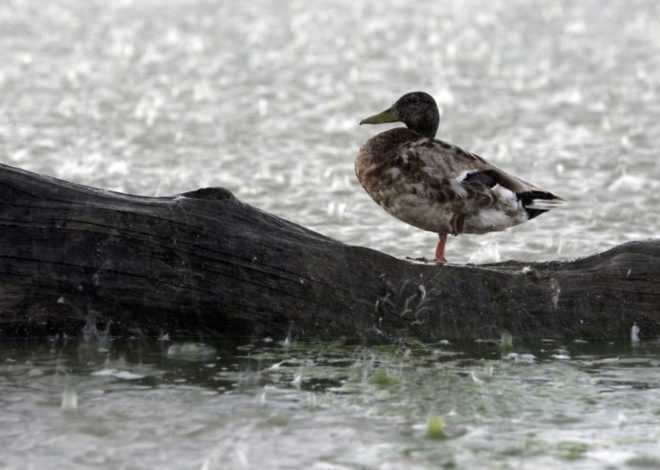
206, 264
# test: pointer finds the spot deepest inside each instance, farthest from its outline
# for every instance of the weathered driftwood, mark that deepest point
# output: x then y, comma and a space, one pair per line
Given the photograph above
205, 263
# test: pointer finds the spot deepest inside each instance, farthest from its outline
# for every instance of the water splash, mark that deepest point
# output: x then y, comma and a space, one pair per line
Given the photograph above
69, 399
634, 334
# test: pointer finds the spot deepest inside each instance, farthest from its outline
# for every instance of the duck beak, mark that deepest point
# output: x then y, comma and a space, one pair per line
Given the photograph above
389, 115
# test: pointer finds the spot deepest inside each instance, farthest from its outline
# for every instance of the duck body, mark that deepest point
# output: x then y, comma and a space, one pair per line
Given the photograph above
439, 187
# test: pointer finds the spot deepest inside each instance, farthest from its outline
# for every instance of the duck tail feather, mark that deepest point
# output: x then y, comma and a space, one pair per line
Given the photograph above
537, 202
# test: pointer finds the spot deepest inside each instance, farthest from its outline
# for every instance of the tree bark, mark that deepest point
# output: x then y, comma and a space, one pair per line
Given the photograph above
204, 263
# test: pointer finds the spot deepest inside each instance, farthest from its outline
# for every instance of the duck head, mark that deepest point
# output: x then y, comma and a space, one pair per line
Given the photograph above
417, 110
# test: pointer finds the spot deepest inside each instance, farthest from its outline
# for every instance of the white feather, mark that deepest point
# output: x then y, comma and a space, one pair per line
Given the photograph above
545, 204
457, 184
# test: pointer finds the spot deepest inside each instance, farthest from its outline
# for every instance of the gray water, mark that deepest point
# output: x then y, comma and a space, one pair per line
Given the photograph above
263, 98
331, 405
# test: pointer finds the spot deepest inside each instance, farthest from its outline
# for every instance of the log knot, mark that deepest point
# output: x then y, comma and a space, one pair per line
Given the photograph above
210, 194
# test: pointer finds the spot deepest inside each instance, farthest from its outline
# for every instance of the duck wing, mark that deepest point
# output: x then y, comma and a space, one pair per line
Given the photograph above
472, 182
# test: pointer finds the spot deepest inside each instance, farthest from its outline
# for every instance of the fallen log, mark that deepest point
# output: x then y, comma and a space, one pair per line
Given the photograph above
205, 263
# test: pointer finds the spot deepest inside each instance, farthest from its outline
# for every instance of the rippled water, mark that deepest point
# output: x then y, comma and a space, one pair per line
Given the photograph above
332, 405
263, 97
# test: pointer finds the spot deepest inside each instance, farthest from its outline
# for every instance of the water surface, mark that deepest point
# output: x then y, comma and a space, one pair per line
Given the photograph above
331, 405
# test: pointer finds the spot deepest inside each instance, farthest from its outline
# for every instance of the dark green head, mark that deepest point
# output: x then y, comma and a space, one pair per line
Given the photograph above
417, 110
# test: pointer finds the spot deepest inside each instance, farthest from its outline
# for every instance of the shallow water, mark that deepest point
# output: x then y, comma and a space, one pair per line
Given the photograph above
263, 97
332, 405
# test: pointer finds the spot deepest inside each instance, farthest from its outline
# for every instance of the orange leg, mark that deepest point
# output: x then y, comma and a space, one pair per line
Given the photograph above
440, 249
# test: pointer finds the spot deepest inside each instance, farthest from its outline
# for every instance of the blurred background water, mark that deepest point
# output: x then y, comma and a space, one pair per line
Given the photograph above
264, 97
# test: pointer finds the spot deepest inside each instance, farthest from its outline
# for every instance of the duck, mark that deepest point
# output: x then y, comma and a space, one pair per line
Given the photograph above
437, 186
